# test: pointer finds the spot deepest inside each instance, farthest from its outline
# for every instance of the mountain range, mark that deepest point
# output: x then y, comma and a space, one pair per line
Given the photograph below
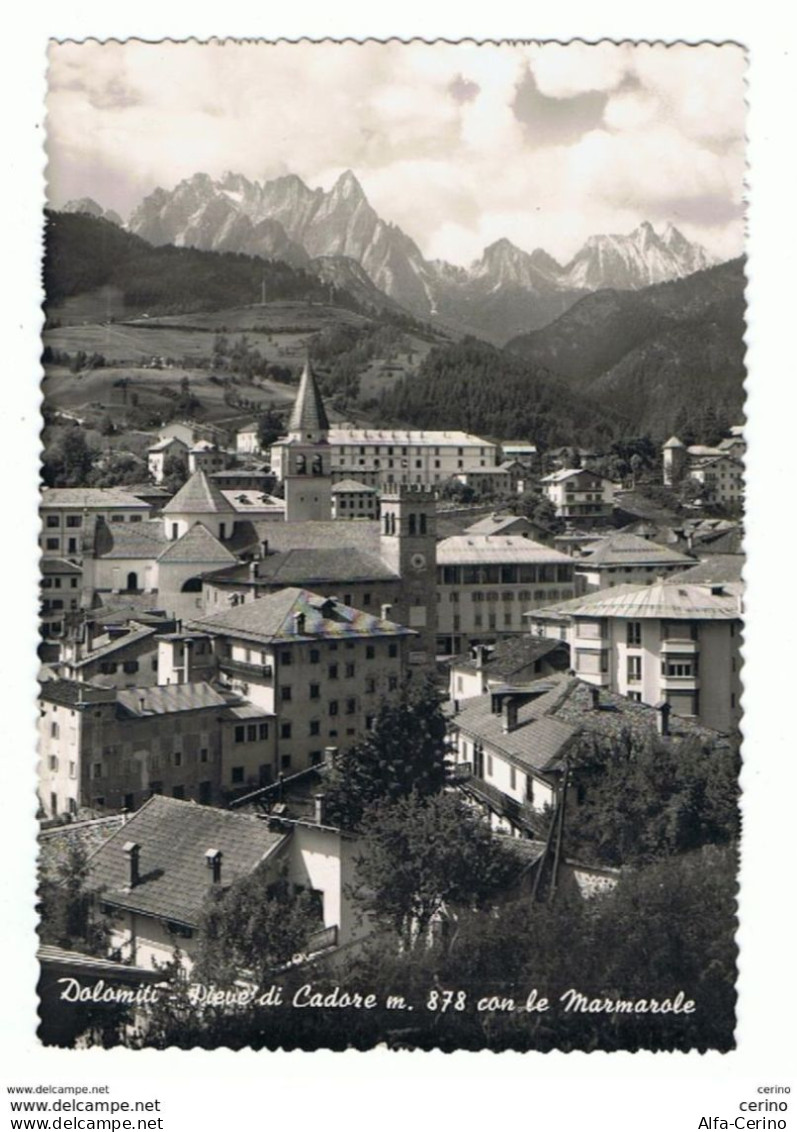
506, 292
655, 353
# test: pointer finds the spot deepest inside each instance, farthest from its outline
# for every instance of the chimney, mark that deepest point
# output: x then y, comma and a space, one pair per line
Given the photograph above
264, 548
663, 719
254, 571
480, 654
330, 756
213, 861
384, 612
509, 714
133, 853
319, 808
595, 693
299, 621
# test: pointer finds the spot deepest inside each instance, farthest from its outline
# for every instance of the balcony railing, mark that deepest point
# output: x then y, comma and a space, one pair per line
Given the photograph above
519, 813
244, 668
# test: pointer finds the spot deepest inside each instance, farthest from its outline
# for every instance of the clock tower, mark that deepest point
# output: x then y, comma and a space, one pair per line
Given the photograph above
408, 543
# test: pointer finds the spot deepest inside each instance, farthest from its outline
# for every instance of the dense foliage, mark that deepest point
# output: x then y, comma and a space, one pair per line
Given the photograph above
473, 386
642, 803
83, 253
656, 355
405, 753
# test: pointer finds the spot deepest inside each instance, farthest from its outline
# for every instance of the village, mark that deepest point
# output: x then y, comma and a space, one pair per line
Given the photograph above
216, 658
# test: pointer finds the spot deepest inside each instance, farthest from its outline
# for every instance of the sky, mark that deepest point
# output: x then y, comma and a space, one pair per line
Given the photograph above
458, 144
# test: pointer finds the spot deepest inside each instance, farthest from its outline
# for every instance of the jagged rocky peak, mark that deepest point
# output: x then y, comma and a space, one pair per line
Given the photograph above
92, 208
348, 187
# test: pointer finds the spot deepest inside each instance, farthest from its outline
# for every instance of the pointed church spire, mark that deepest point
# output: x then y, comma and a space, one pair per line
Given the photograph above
309, 414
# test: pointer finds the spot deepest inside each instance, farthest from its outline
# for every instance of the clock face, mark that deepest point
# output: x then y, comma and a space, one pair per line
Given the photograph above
418, 561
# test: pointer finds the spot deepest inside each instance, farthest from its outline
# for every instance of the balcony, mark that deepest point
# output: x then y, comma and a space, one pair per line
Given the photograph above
245, 669
520, 814
684, 645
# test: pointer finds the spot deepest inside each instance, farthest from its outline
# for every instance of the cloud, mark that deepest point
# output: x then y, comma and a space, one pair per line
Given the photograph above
450, 141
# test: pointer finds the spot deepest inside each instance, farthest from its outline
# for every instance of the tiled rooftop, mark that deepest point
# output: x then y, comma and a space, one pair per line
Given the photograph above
322, 567
173, 837
474, 549
197, 547
198, 495
670, 600
272, 618
146, 539
169, 699
91, 497
510, 656
630, 550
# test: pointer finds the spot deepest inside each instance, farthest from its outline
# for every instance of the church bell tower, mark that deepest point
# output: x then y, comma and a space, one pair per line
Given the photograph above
307, 457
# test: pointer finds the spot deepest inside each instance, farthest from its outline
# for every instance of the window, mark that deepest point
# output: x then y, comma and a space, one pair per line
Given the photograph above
349, 670
96, 770
635, 697
370, 685
240, 734
512, 778
489, 765
351, 706
285, 692
251, 733
74, 521
53, 762
633, 634
130, 666
332, 671
634, 669
52, 543
237, 775
333, 707
285, 762
315, 691
54, 730
392, 650
315, 727
370, 652
177, 758
72, 770
262, 731
315, 656
285, 730
286, 657
53, 521
178, 792
203, 755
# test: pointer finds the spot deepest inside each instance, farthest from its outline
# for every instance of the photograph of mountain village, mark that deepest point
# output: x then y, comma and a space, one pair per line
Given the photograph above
392, 521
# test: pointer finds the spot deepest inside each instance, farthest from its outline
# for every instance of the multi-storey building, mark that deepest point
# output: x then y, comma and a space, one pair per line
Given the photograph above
155, 873
669, 642
109, 748
320, 666
61, 591
486, 583
579, 494
514, 745
205, 456
620, 558
352, 499
66, 512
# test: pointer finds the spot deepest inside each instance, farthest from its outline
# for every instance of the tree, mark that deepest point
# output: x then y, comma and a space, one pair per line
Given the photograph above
68, 460
676, 798
422, 857
67, 912
405, 753
269, 428
175, 473
254, 926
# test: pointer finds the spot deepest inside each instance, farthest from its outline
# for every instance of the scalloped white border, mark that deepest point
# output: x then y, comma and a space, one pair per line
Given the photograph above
652, 1091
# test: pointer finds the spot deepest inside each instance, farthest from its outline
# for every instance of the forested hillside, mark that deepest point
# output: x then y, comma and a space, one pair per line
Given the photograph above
473, 386
84, 253
646, 353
